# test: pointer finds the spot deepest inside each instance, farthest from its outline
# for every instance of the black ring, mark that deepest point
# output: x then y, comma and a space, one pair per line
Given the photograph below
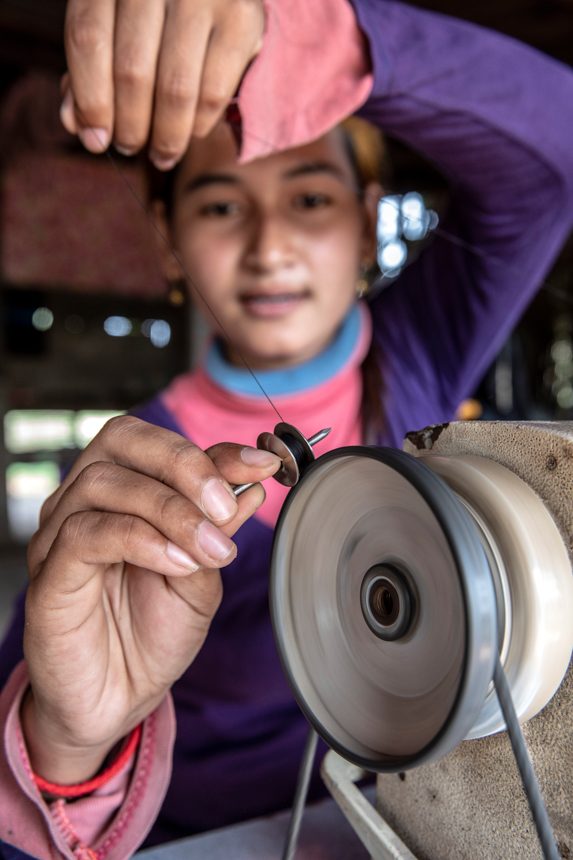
387, 602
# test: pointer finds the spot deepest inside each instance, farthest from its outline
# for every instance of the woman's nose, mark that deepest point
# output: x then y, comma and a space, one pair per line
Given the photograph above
270, 243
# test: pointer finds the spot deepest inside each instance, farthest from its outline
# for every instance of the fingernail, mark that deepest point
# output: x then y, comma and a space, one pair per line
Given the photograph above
163, 162
124, 150
262, 459
217, 501
212, 541
95, 140
67, 116
180, 557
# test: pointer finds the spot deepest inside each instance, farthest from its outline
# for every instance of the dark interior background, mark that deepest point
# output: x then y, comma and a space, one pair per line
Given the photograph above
73, 239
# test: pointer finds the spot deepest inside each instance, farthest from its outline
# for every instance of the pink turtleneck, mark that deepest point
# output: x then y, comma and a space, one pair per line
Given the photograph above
208, 413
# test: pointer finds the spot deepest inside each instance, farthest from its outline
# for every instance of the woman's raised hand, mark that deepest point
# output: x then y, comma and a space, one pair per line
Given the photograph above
154, 72
124, 584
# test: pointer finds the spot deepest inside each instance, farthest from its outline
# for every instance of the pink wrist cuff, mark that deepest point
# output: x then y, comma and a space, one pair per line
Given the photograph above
83, 788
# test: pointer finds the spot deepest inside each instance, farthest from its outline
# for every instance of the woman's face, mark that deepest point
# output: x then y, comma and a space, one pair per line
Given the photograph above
274, 246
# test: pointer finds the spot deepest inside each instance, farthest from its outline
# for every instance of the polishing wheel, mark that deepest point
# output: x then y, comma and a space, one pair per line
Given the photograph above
531, 572
394, 585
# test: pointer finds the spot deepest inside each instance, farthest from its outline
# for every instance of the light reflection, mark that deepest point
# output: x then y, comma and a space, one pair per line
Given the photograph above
400, 217
117, 326
415, 216
42, 319
146, 327
388, 225
27, 486
88, 424
564, 397
160, 333
30, 430
393, 256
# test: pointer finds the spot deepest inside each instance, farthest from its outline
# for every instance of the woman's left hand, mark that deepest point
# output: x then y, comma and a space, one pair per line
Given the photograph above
154, 73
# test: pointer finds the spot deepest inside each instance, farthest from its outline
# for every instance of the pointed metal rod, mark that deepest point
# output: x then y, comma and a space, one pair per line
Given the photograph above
312, 441
303, 781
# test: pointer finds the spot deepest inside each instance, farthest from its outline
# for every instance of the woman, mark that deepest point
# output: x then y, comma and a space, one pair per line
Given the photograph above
124, 579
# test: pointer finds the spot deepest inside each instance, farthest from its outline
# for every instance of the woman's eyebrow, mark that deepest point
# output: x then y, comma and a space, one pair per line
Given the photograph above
312, 167
209, 179
306, 169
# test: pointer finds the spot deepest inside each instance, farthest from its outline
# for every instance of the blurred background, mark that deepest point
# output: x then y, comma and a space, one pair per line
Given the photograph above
88, 326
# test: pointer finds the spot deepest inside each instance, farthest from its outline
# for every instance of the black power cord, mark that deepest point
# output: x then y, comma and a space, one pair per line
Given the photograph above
524, 764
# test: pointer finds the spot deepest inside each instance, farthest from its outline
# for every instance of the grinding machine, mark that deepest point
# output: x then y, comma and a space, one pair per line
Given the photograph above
422, 603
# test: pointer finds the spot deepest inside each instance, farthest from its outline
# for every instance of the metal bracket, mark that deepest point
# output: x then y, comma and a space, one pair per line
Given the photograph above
373, 831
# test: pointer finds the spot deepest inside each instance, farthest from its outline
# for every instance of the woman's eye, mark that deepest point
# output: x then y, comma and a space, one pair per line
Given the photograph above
220, 209
312, 201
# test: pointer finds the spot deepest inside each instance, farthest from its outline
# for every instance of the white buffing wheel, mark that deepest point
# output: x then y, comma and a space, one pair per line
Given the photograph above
534, 584
383, 608
394, 582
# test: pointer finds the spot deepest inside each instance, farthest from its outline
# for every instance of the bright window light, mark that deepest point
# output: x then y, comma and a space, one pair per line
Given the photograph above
117, 326
42, 319
27, 486
564, 397
30, 430
88, 424
561, 351
160, 333
389, 216
29, 480
392, 256
415, 216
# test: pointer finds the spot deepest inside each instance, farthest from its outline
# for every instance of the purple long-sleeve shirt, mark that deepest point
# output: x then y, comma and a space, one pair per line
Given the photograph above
496, 118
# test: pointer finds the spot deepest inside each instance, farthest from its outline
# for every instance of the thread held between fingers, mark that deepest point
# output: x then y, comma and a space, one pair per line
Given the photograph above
95, 140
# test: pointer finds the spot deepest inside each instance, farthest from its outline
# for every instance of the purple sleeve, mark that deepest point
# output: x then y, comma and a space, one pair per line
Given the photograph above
11, 650
496, 118
156, 412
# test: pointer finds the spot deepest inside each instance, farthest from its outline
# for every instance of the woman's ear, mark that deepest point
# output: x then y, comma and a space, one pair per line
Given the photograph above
373, 191
171, 268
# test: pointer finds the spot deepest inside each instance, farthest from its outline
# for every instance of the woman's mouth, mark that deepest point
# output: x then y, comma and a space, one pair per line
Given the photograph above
273, 305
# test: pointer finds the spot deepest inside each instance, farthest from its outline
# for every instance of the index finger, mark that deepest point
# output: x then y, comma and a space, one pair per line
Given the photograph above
149, 450
186, 37
88, 36
169, 458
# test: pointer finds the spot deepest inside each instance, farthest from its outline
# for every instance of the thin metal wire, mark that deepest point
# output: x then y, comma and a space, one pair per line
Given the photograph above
452, 238
303, 780
446, 235
438, 231
491, 258
188, 278
525, 766
528, 777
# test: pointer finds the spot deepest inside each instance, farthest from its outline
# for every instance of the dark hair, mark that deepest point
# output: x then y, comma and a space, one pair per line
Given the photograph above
367, 154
